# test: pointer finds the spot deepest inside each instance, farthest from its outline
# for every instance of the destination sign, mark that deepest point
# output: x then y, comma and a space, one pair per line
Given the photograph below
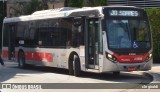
130, 13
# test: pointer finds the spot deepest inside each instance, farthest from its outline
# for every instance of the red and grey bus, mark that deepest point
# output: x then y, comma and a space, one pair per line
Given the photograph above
90, 39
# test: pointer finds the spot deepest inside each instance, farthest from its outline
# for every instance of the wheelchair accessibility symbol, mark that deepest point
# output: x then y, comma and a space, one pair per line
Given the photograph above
135, 45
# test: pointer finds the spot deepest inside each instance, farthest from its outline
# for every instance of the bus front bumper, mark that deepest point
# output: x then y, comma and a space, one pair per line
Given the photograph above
110, 66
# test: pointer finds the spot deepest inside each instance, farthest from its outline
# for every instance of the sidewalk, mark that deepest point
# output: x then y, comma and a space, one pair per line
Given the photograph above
155, 72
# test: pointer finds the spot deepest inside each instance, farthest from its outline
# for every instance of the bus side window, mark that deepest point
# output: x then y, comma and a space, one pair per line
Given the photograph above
74, 36
77, 33
5, 34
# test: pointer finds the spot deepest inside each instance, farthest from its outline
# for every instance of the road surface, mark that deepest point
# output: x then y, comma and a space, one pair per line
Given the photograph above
13, 74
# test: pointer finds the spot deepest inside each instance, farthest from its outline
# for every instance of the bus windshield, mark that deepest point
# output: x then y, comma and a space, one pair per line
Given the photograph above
128, 34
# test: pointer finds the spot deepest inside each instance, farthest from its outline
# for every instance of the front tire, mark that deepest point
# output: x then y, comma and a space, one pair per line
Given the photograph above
70, 66
21, 60
77, 68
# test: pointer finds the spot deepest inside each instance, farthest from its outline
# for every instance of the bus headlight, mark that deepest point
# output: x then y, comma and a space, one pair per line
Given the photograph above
148, 58
150, 55
111, 57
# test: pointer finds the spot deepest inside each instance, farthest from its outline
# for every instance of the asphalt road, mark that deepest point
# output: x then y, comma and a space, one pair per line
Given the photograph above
13, 74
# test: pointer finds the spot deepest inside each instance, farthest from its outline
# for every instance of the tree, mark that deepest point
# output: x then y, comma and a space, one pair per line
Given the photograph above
100, 2
34, 5
2, 15
26, 8
44, 4
90, 2
75, 3
154, 15
93, 3
87, 3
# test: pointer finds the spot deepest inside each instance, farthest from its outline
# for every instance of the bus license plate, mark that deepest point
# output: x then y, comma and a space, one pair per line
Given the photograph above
132, 68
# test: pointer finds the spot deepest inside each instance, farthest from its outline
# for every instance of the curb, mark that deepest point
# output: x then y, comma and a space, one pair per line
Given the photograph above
156, 77
151, 77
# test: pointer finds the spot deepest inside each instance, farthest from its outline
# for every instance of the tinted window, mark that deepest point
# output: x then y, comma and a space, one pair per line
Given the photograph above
128, 34
5, 35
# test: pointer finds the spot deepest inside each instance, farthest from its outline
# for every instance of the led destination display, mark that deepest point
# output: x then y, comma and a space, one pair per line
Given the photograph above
124, 13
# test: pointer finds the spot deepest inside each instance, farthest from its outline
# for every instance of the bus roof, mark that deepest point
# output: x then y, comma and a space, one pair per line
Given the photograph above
55, 13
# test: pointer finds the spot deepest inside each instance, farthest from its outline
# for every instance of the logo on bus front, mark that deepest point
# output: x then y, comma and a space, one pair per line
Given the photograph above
138, 59
132, 53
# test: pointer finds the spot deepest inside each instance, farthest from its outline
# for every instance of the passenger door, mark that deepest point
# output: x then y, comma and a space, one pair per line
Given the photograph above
92, 42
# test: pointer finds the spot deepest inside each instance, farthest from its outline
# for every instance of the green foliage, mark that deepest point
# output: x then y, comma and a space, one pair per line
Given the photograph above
2, 10
2, 15
93, 3
33, 6
154, 15
100, 2
87, 3
75, 3
51, 1
25, 8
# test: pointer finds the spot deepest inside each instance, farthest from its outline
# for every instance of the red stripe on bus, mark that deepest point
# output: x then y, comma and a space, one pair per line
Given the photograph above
5, 54
34, 56
48, 56
131, 58
16, 54
38, 56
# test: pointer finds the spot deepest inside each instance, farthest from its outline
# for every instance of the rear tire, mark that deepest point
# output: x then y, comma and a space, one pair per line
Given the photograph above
21, 60
77, 68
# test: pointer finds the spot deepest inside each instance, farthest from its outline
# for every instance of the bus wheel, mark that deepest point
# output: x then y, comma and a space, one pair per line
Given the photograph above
77, 68
21, 60
117, 73
70, 66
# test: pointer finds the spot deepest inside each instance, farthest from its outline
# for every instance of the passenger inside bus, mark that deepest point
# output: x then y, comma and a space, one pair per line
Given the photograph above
118, 35
125, 41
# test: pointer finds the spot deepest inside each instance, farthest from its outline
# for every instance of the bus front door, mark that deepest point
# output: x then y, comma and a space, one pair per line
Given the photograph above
11, 47
92, 43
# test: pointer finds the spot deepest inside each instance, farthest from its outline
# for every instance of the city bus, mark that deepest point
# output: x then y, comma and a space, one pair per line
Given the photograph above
90, 39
